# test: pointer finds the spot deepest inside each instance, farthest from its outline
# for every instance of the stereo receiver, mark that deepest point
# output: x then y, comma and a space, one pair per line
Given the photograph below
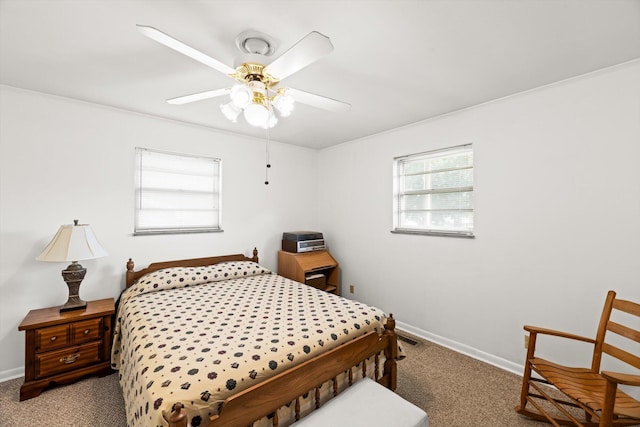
302, 241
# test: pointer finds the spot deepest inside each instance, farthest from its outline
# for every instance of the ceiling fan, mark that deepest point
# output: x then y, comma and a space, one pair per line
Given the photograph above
257, 93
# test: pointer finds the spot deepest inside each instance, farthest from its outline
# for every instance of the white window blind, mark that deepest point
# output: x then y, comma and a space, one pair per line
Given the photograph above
176, 193
433, 192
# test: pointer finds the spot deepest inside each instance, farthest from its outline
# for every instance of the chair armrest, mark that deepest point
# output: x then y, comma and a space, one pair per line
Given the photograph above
626, 379
545, 331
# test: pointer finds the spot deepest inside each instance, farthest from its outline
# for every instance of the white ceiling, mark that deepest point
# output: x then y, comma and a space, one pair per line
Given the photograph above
395, 61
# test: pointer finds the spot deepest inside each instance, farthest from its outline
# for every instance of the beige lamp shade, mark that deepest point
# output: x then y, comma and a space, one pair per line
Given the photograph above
72, 243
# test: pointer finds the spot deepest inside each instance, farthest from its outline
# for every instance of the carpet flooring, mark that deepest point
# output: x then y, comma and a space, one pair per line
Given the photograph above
455, 391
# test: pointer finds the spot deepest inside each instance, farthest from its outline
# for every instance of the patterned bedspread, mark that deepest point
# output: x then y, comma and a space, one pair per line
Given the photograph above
200, 334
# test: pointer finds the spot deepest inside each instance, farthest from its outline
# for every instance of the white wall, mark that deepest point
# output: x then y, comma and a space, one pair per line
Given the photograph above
62, 160
557, 181
557, 217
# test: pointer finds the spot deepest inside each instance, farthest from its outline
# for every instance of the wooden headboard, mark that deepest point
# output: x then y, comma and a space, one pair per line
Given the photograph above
132, 275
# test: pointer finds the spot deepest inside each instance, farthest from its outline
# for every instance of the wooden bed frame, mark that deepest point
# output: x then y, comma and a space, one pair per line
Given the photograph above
266, 397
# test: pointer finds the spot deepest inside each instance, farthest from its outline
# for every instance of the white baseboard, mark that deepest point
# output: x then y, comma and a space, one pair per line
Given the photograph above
11, 374
482, 356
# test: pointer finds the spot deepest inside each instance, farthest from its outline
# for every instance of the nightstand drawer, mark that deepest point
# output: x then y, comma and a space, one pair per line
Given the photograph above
52, 337
87, 330
67, 359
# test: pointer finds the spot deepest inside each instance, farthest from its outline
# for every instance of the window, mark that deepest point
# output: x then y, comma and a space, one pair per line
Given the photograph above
433, 192
176, 193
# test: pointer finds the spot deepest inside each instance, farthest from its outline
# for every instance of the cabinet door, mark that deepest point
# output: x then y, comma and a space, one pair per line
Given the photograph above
314, 261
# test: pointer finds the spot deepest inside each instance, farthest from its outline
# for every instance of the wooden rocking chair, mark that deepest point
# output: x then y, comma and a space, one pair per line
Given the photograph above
589, 390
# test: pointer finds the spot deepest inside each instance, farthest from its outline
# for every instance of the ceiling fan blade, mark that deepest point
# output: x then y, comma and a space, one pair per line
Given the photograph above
318, 101
178, 46
198, 96
308, 50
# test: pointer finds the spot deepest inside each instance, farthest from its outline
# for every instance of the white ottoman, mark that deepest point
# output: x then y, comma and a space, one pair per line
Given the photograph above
366, 404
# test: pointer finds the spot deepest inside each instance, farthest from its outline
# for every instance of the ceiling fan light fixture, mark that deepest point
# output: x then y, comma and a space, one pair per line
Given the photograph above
241, 95
257, 115
231, 111
284, 103
253, 100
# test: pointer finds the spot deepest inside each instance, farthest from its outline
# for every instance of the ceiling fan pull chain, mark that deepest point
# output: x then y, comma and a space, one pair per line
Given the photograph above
268, 163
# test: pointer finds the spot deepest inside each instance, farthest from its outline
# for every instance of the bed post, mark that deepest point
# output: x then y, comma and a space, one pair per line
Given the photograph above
255, 255
391, 351
178, 417
130, 272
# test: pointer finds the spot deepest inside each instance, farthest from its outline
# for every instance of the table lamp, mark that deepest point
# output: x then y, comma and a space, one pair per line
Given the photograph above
73, 243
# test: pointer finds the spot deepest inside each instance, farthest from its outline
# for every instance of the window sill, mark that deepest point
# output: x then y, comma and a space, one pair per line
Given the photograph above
461, 234
156, 232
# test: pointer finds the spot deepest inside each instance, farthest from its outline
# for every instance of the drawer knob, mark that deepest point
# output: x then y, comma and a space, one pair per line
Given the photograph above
70, 358
86, 331
54, 338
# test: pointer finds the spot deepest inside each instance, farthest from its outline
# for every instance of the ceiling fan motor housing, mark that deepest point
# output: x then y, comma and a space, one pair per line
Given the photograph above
251, 71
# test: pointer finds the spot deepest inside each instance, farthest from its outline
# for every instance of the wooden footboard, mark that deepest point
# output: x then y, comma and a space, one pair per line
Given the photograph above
263, 399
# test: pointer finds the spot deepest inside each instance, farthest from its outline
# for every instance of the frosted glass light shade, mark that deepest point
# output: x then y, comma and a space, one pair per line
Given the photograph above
241, 95
285, 104
72, 243
231, 111
256, 115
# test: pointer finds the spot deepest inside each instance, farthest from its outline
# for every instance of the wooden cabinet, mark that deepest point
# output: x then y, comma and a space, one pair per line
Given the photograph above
317, 268
63, 347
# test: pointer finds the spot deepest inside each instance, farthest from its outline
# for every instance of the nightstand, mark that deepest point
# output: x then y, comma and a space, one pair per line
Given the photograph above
61, 347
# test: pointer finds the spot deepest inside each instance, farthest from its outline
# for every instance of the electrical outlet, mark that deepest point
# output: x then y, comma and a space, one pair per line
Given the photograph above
352, 288
526, 341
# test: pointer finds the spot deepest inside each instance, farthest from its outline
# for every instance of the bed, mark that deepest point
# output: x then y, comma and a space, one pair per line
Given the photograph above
223, 341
